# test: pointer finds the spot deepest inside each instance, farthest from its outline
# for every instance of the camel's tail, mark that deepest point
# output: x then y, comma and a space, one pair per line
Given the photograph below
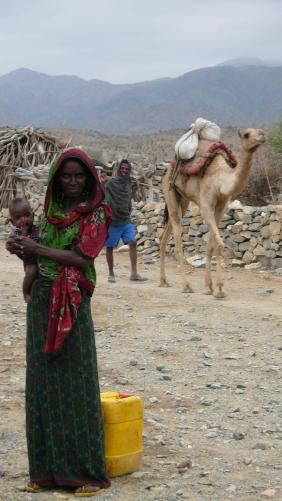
165, 220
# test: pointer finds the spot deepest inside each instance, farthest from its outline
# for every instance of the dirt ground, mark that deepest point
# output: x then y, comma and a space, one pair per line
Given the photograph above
209, 373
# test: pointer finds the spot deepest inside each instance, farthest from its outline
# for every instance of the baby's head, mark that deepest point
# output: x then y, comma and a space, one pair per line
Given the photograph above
20, 213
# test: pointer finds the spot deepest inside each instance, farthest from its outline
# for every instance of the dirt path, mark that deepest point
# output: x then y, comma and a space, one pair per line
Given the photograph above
209, 373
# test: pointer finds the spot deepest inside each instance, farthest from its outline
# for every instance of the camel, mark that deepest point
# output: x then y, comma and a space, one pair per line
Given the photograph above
211, 193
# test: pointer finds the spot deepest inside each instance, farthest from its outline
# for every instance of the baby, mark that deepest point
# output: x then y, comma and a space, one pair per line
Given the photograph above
22, 218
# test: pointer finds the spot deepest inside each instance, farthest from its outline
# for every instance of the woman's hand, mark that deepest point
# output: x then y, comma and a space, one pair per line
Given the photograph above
12, 246
26, 246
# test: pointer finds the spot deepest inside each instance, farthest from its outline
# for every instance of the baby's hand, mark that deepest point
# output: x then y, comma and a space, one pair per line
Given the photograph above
25, 227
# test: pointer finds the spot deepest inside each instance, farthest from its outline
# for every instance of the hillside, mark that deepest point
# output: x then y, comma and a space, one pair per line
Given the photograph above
246, 95
158, 145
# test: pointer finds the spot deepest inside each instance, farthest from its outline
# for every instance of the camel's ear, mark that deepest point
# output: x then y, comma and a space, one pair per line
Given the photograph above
240, 132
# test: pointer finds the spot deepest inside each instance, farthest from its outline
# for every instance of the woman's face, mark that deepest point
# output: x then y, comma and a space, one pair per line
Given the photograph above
72, 179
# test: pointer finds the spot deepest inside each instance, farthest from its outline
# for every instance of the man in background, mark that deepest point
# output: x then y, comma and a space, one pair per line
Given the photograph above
118, 195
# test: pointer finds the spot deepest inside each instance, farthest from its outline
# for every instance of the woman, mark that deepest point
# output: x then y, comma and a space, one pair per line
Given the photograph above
63, 412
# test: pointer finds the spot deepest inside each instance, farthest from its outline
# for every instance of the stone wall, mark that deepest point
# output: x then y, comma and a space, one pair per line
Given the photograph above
251, 234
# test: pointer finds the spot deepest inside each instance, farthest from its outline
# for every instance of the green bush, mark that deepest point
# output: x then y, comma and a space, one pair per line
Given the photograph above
275, 138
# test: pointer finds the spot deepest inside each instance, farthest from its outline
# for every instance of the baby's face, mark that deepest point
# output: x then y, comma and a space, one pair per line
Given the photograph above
21, 216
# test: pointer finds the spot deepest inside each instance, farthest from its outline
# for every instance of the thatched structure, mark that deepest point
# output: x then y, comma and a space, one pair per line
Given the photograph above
23, 153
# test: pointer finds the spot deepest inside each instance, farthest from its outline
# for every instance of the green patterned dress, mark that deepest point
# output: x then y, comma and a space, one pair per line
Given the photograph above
64, 423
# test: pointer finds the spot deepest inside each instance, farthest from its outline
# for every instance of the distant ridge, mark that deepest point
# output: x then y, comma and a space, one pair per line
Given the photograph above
249, 61
228, 94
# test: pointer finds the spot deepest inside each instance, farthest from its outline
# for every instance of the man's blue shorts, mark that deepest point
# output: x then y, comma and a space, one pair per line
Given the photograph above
115, 233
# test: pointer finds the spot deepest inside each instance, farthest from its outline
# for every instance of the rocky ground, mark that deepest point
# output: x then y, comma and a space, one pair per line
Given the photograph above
209, 373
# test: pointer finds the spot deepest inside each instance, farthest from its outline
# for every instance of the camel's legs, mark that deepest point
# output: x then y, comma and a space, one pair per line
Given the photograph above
177, 233
176, 207
209, 253
214, 244
164, 239
219, 289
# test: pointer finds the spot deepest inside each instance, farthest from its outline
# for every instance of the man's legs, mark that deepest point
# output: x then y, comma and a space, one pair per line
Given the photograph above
133, 261
110, 261
133, 257
114, 234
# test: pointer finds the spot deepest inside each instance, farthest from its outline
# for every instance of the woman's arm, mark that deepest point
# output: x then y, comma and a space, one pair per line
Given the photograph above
28, 247
67, 257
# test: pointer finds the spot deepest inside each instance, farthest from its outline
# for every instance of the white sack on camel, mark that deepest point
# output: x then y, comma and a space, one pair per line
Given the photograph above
187, 145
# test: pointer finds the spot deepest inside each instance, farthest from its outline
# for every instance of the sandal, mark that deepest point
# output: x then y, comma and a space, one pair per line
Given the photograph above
34, 488
88, 491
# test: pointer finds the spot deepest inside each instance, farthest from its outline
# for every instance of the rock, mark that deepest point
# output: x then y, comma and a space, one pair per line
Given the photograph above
207, 355
260, 446
160, 368
141, 228
138, 474
267, 292
237, 263
197, 261
171, 497
122, 381
153, 400
9, 437
244, 246
237, 227
265, 231
204, 473
253, 266
275, 228
235, 204
231, 245
268, 493
231, 356
248, 257
239, 435
123, 248
184, 465
231, 489
253, 226
260, 251
212, 434
151, 207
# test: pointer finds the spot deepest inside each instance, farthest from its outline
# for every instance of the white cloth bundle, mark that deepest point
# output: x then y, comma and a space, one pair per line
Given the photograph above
187, 145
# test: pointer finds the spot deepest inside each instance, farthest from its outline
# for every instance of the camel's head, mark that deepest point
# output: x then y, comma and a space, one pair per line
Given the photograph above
251, 139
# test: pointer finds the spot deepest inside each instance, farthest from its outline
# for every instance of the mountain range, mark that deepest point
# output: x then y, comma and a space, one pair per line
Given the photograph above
229, 94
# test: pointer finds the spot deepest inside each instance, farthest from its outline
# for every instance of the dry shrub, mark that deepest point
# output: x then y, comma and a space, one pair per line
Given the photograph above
265, 183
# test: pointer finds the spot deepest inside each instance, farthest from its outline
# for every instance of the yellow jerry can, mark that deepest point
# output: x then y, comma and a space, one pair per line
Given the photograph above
123, 425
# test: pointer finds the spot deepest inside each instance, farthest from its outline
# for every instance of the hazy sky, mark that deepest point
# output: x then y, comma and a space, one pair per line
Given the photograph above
133, 40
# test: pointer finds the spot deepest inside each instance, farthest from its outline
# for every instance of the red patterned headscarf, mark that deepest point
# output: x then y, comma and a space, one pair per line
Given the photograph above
92, 199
